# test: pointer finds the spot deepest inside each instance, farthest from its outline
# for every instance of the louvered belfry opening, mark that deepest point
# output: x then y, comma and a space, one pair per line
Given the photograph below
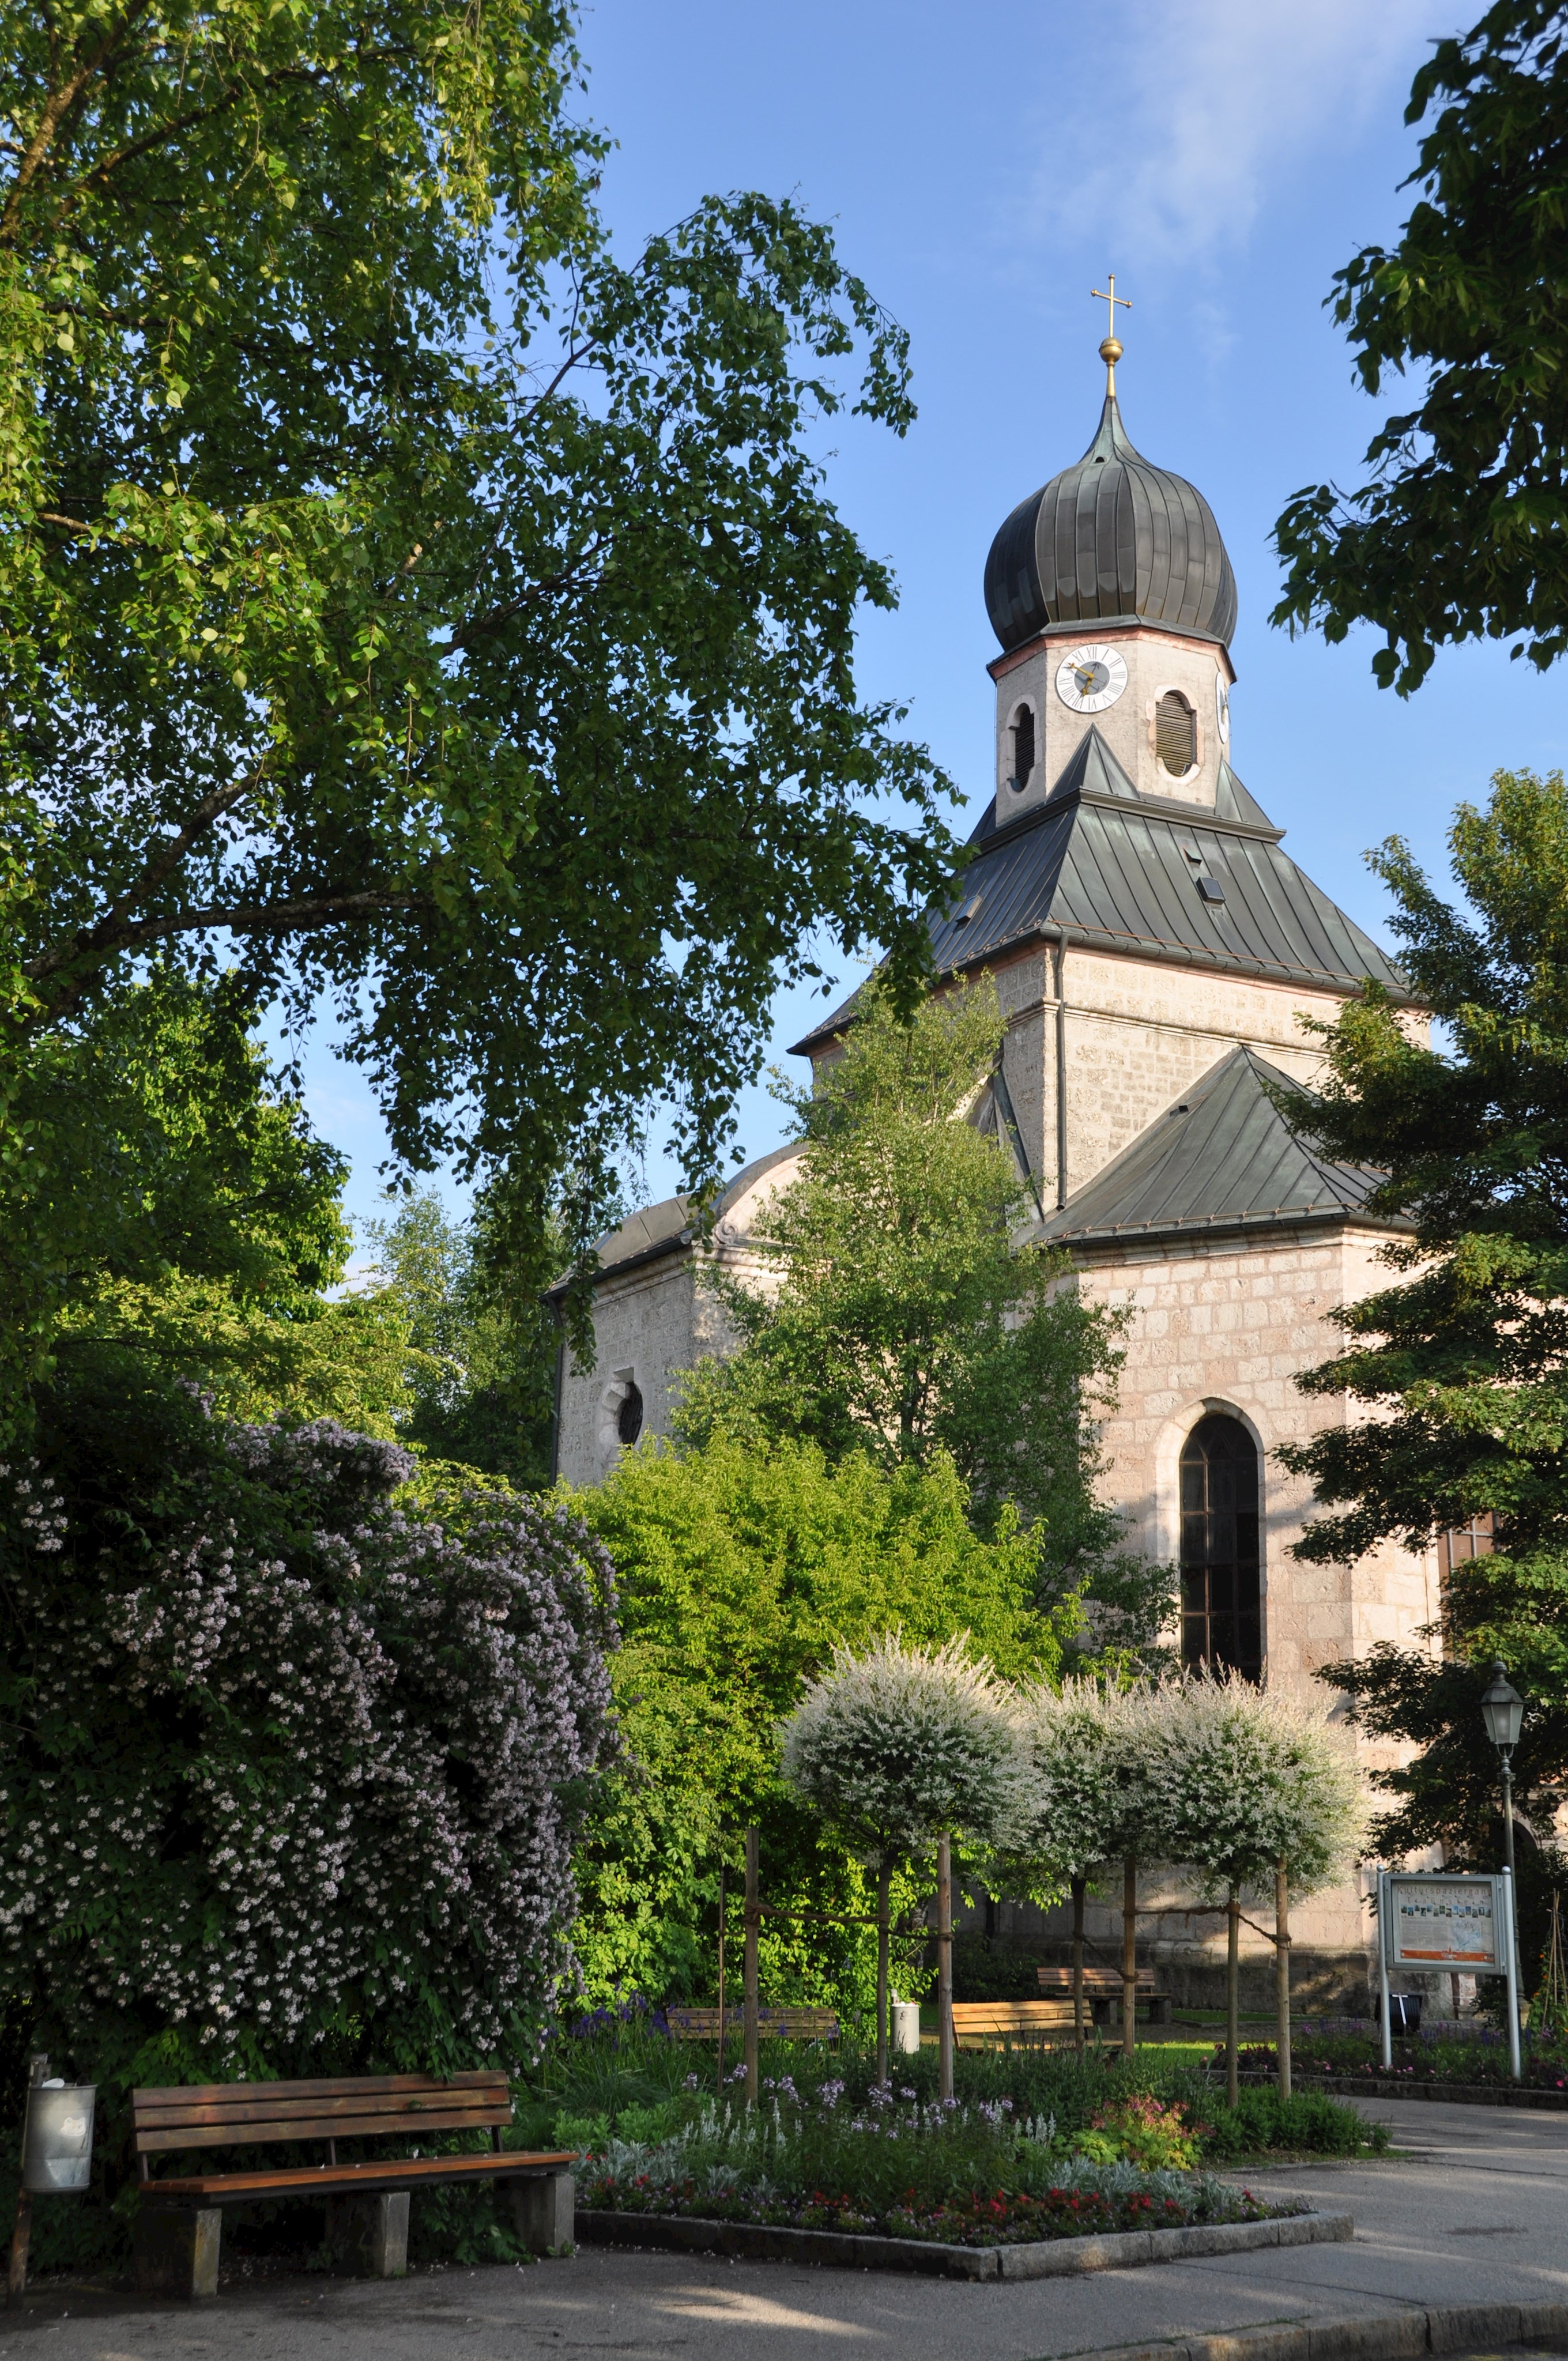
1221, 1621
1175, 734
1023, 744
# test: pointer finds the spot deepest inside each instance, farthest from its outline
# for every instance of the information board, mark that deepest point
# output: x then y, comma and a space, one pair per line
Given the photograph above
1447, 1922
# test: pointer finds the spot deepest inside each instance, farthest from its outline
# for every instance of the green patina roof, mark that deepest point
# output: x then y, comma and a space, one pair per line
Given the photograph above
1120, 871
1223, 1156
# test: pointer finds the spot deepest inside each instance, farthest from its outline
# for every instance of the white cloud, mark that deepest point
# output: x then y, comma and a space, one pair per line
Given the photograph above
1193, 113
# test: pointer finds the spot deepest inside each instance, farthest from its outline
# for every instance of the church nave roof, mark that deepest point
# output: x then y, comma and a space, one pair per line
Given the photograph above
1222, 1158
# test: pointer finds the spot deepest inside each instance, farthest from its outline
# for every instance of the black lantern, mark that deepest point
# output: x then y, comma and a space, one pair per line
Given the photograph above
1502, 1710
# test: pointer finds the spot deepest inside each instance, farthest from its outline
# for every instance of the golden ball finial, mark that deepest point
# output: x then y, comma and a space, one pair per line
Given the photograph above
1111, 351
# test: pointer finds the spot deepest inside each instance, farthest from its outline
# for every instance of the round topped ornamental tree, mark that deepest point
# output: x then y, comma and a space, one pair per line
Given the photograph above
898, 1748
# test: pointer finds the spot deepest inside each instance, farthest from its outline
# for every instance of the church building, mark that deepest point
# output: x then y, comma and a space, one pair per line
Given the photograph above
1155, 949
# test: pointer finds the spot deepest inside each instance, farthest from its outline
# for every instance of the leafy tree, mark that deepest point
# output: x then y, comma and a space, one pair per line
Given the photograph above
483, 1351
911, 1315
397, 583
290, 1771
897, 1748
738, 1572
1462, 1361
1462, 530
1254, 1789
165, 1213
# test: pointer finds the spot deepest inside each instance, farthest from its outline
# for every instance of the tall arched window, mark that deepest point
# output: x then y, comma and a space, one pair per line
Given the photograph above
1221, 1621
1022, 745
1174, 733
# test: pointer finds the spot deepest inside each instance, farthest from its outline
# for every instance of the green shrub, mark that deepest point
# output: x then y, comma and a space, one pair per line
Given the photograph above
1261, 2120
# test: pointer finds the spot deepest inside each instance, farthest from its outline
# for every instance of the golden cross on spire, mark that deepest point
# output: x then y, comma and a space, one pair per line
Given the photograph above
1111, 350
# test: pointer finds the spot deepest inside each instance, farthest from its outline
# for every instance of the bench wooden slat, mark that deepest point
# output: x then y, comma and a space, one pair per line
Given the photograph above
256, 2111
298, 2127
236, 2186
170, 2094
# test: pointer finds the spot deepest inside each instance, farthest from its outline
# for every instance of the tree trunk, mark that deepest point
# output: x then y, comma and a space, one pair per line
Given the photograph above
1129, 1957
753, 2087
1078, 1962
883, 1890
945, 1967
1233, 1994
1282, 1971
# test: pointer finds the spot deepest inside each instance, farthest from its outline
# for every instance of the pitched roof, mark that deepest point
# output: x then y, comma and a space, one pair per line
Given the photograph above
671, 1224
1121, 871
1223, 1156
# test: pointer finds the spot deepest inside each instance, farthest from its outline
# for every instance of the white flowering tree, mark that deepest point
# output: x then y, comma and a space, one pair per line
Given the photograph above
897, 1749
1089, 1800
289, 1773
1256, 1790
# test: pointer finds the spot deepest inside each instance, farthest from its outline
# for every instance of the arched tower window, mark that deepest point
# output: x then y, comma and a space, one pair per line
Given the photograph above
1022, 745
1222, 1622
1175, 734
628, 1418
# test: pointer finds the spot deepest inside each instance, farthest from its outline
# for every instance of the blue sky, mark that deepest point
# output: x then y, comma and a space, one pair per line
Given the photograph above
983, 170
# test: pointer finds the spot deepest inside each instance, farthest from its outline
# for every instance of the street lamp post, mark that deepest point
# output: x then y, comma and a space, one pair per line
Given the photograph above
1502, 1710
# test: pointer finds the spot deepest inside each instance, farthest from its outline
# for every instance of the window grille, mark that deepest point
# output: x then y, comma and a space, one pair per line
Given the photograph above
1222, 1618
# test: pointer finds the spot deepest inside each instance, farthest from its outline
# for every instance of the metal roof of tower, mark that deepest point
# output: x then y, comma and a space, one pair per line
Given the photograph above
1100, 865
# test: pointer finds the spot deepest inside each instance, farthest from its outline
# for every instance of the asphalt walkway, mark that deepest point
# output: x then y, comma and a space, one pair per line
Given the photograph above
1476, 2211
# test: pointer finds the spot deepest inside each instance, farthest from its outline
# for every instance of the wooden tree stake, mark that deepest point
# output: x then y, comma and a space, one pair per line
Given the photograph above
1282, 1973
1078, 1962
1233, 1996
883, 1894
945, 1966
1129, 1957
718, 2083
753, 1919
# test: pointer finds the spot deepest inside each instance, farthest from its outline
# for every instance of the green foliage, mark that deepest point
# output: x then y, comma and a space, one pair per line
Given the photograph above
1462, 1364
396, 582
908, 1314
1462, 531
165, 1214
1306, 2121
482, 1351
739, 1571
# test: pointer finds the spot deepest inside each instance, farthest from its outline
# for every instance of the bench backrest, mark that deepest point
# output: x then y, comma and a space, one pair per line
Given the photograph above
1009, 2016
701, 2024
1096, 1980
241, 2115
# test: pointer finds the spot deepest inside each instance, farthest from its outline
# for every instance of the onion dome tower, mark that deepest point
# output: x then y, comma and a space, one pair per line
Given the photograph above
1113, 597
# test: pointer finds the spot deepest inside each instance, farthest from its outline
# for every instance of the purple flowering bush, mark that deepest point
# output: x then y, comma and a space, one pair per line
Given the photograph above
291, 1758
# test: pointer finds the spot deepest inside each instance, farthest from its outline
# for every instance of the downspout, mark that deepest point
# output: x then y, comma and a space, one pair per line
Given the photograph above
1061, 1066
560, 1383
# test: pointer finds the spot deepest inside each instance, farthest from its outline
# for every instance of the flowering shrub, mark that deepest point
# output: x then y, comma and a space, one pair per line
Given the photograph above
1142, 2130
1479, 2054
291, 1771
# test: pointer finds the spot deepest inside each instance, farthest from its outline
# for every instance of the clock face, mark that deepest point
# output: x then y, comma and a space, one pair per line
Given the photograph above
1089, 678
1223, 709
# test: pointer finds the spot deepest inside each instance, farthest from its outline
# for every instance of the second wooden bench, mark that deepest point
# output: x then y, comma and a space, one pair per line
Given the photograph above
1102, 1991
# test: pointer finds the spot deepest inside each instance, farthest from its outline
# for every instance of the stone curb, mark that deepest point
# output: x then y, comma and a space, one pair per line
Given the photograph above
1360, 2336
1046, 2258
1462, 2094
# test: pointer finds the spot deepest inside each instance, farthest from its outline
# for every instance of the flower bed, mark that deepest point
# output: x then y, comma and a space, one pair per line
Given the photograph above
896, 2167
1088, 2200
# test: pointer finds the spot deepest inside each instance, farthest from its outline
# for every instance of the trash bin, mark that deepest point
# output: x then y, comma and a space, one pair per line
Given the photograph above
905, 2028
56, 2146
1404, 2012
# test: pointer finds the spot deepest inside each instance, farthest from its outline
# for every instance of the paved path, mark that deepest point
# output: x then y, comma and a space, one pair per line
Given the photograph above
1478, 2213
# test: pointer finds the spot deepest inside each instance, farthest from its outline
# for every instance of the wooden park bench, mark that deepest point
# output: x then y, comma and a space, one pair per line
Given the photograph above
773, 2023
988, 2024
1102, 1991
181, 2223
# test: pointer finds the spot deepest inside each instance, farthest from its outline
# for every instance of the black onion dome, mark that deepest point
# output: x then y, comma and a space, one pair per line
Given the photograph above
1112, 537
